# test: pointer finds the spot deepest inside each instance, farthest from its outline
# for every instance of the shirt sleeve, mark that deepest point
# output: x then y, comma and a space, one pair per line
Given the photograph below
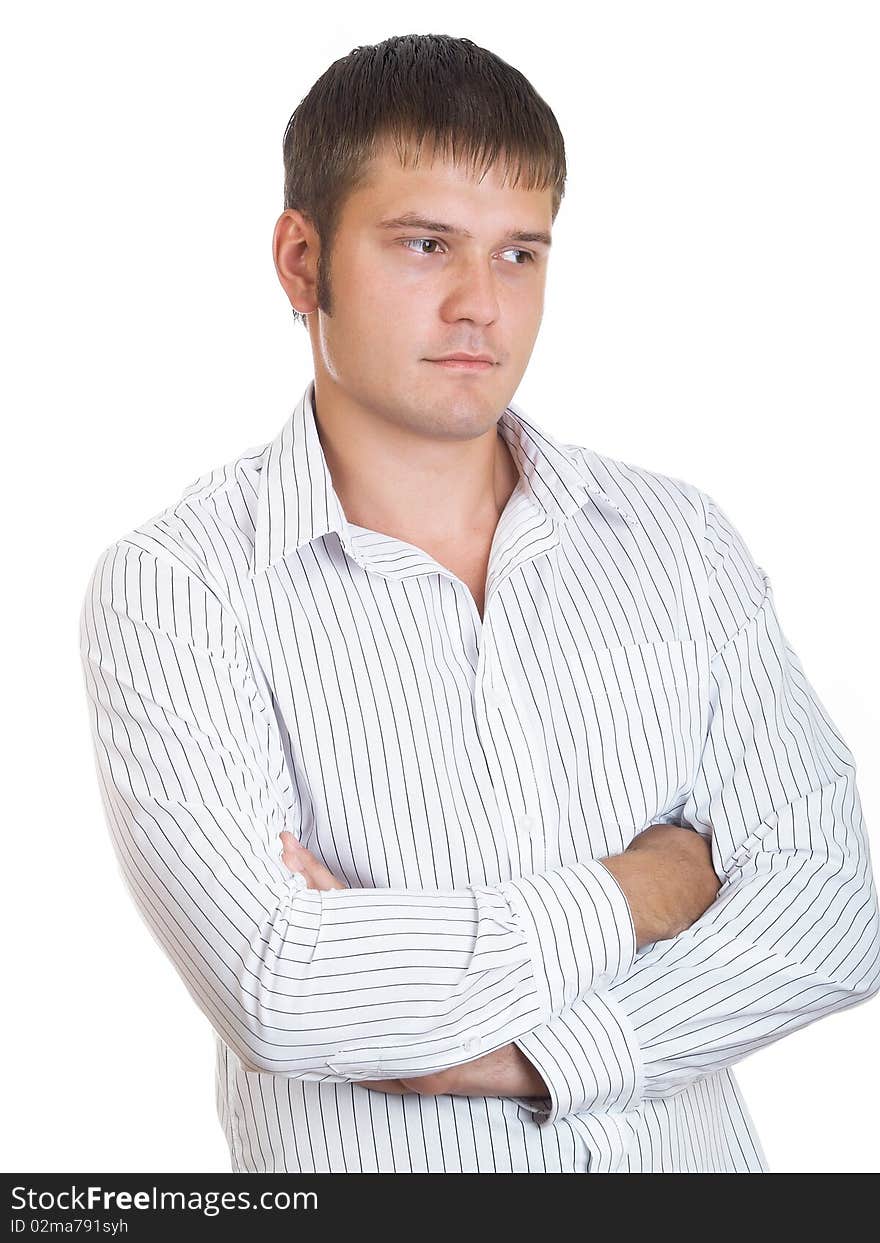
793, 934
346, 984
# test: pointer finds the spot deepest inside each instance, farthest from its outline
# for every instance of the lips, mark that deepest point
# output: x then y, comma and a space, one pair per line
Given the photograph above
465, 357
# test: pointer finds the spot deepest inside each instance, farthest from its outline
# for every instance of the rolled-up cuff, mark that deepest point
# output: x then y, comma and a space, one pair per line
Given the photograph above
579, 928
589, 1058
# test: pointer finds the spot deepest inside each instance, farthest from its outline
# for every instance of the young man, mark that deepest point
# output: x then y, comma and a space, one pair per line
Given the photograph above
465, 776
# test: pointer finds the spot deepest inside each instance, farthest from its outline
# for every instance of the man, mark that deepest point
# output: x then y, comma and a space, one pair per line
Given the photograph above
466, 777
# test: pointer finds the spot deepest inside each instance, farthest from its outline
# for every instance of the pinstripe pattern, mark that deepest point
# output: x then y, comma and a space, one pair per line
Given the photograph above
254, 662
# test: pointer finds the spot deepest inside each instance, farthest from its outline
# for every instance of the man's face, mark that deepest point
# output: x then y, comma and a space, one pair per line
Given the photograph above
404, 295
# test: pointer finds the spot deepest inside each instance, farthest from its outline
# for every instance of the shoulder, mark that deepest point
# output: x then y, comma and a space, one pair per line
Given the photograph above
656, 499
193, 538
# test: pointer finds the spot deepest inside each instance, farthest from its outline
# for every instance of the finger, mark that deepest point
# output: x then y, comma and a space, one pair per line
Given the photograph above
392, 1086
299, 859
291, 856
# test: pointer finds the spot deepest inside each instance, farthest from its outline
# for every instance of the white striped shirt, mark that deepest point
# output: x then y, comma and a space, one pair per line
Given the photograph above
255, 662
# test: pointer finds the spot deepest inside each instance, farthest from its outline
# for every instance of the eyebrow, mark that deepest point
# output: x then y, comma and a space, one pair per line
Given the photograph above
412, 220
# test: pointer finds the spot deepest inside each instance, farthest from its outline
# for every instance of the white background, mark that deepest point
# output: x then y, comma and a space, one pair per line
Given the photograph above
711, 313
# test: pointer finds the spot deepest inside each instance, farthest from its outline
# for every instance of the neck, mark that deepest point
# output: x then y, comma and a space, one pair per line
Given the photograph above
403, 482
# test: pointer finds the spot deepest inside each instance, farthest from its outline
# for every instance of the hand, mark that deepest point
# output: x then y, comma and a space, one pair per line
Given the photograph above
667, 875
504, 1072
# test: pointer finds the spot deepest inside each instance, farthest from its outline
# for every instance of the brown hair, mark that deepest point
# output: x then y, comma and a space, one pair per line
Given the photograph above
459, 96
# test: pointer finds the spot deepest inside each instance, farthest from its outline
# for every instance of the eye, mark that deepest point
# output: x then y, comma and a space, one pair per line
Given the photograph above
432, 241
530, 258
417, 241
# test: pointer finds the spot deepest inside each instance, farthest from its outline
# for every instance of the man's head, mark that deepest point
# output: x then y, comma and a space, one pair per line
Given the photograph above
446, 133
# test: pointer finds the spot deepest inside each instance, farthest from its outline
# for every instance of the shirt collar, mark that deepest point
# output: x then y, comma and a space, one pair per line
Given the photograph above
297, 503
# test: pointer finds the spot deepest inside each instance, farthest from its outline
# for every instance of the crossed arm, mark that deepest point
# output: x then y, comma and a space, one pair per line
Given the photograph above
667, 877
377, 984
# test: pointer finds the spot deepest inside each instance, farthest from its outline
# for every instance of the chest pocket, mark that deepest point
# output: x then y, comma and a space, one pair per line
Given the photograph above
645, 714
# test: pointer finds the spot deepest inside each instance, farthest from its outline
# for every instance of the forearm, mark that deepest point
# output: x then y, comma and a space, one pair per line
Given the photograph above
361, 983
357, 983
389, 983
668, 880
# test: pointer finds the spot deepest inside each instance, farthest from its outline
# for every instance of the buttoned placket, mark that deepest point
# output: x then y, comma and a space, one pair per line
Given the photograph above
524, 532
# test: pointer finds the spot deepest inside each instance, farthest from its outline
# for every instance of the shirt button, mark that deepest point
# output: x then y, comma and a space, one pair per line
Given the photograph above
472, 1044
528, 824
